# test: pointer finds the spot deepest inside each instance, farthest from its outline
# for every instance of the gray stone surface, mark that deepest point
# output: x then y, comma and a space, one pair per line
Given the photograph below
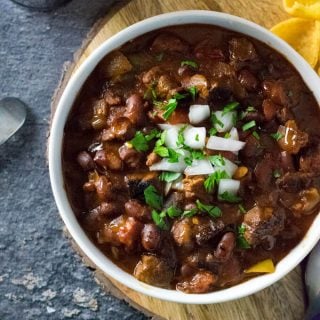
40, 275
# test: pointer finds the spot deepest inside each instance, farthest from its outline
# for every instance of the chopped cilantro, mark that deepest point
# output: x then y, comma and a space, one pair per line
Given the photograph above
154, 133
162, 151
193, 92
241, 240
215, 121
229, 197
139, 142
196, 138
173, 156
159, 220
217, 160
188, 161
214, 178
189, 213
180, 96
249, 125
276, 173
241, 208
213, 131
153, 198
170, 107
180, 141
213, 211
230, 107
256, 135
169, 176
251, 109
173, 212
190, 63
277, 136
227, 135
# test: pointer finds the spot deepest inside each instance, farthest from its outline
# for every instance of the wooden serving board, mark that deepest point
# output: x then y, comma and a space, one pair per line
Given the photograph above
283, 300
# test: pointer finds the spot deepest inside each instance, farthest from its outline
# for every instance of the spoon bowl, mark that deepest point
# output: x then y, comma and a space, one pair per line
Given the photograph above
13, 113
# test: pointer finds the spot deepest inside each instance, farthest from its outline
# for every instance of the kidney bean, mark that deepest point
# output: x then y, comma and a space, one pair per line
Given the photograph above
150, 236
135, 209
225, 246
85, 161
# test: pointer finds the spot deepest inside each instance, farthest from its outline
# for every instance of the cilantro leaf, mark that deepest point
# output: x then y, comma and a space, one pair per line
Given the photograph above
162, 151
230, 107
173, 155
213, 211
277, 136
169, 176
213, 131
190, 63
249, 125
217, 160
153, 198
241, 208
173, 212
180, 141
193, 92
159, 220
189, 213
169, 108
213, 179
229, 197
139, 142
241, 240
215, 120
256, 135
277, 173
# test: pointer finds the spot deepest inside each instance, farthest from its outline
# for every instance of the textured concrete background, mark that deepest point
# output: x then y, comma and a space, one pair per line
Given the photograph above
40, 275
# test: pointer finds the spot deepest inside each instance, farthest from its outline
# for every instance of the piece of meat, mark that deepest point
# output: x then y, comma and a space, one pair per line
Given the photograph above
248, 80
261, 222
150, 237
275, 90
305, 202
130, 156
137, 210
199, 81
135, 109
182, 233
207, 49
154, 270
230, 273
108, 159
166, 42
111, 98
152, 75
310, 161
121, 128
103, 188
269, 109
107, 209
166, 86
175, 199
202, 282
284, 114
241, 49
292, 139
263, 171
193, 188
85, 161
293, 182
286, 161
225, 247
152, 158
114, 65
252, 148
129, 233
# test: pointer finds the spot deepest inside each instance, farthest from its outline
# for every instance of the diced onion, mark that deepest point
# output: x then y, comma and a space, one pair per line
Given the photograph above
171, 137
167, 187
223, 144
198, 113
165, 165
228, 185
167, 126
229, 167
199, 167
175, 185
226, 119
234, 134
195, 137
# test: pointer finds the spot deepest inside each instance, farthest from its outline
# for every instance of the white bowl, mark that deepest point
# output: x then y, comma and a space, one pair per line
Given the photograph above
55, 148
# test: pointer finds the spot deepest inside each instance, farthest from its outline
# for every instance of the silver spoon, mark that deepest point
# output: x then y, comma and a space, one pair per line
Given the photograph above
12, 116
312, 278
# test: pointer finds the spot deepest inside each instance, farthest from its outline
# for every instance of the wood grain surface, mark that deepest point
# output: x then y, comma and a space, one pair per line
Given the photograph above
283, 300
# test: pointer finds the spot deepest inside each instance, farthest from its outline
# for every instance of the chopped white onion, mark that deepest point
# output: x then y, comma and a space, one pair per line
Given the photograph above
223, 144
229, 167
195, 137
167, 126
171, 137
165, 165
167, 188
175, 185
198, 113
199, 167
228, 185
234, 134
226, 119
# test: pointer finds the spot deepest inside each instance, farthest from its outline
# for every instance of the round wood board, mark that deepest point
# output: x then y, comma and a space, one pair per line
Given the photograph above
283, 300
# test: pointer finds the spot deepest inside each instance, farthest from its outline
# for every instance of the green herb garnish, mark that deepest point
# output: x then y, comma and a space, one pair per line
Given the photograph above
162, 151
193, 92
173, 212
213, 211
214, 178
173, 156
217, 160
139, 142
277, 136
196, 138
251, 109
276, 173
170, 107
169, 176
159, 220
227, 135
189, 213
215, 121
256, 135
241, 208
229, 197
190, 63
249, 125
153, 198
154, 133
213, 131
241, 240
230, 107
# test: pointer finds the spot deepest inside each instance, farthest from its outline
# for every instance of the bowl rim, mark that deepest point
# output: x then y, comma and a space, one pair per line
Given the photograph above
67, 99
